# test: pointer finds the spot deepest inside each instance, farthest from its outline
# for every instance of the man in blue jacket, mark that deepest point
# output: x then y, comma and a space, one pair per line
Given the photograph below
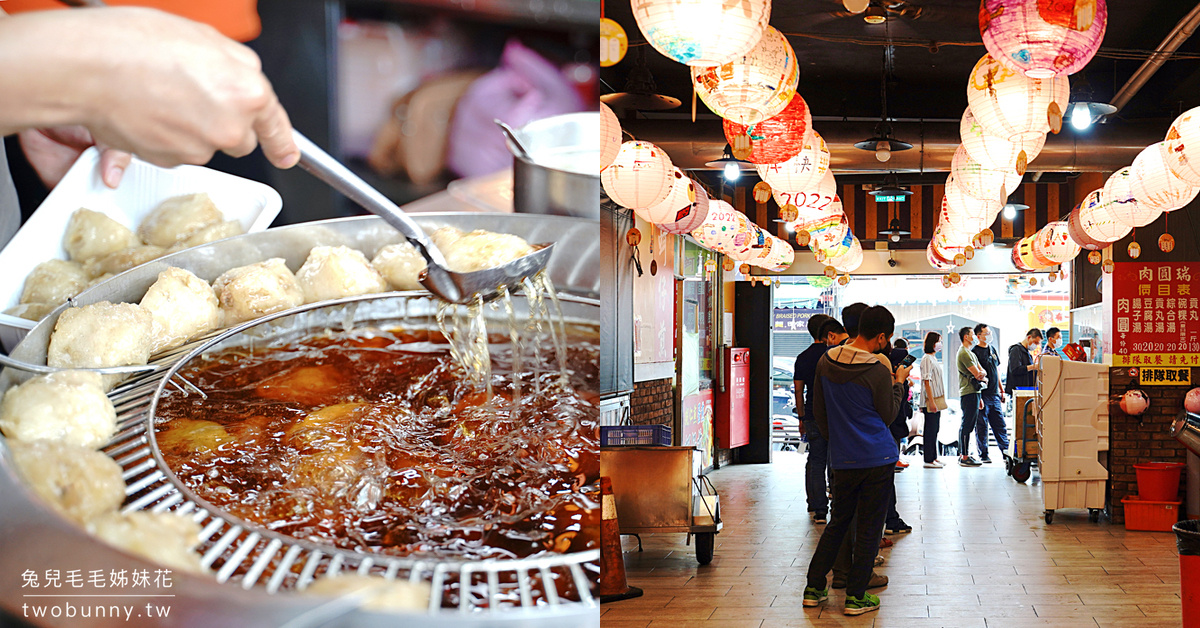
856, 398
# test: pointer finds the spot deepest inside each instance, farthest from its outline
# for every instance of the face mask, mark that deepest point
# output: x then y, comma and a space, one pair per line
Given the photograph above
937, 346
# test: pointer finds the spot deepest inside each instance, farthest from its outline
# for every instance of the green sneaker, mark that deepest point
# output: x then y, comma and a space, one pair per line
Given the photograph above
814, 596
857, 605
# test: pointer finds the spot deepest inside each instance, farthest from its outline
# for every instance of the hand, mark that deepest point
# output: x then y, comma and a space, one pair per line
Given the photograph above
52, 151
901, 374
161, 87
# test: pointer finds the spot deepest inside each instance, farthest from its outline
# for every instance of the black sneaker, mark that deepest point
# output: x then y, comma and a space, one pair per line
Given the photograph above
819, 517
899, 528
968, 461
985, 460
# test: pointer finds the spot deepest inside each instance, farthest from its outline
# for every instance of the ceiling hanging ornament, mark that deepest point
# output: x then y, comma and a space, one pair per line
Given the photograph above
739, 146
1094, 257
1118, 189
744, 269
946, 281
1062, 274
1107, 266
762, 192
1093, 224
1135, 250
986, 238
640, 176
653, 259
977, 180
960, 299
960, 259
830, 272
955, 277
1182, 147
754, 87
1013, 106
728, 264
1053, 277
1154, 185
1043, 39
778, 138
1033, 281
701, 32
844, 279
1166, 243
803, 237
1053, 243
789, 213
633, 237
677, 203
614, 43
726, 230
969, 252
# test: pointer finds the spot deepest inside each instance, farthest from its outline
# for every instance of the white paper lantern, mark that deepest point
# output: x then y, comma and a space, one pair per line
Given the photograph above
610, 136
977, 180
752, 88
640, 176
828, 231
966, 214
946, 237
1023, 257
1093, 225
1182, 147
1043, 38
777, 256
1154, 185
675, 205
726, 230
936, 260
702, 32
997, 152
849, 261
1053, 244
693, 217
800, 173
1118, 190
1013, 106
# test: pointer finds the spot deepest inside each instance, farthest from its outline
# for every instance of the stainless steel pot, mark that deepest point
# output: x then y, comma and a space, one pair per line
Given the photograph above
563, 175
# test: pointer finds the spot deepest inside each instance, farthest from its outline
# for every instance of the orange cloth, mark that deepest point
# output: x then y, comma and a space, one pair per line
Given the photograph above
236, 19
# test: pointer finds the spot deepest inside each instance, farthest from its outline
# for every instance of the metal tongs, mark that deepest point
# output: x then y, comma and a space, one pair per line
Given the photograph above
442, 282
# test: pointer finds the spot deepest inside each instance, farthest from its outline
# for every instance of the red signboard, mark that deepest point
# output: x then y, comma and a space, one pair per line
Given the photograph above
1156, 314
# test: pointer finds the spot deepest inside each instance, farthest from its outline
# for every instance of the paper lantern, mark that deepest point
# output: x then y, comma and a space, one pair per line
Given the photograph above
1093, 225
946, 239
610, 136
702, 32
803, 172
826, 230
1181, 151
1053, 244
640, 176
754, 245
1153, 183
1013, 106
1118, 190
693, 216
752, 88
1043, 38
997, 152
1191, 401
1134, 402
1023, 256
777, 256
676, 206
726, 230
936, 260
778, 138
977, 180
849, 261
965, 214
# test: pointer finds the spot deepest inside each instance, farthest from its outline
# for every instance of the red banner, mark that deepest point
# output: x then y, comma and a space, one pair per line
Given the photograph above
1156, 314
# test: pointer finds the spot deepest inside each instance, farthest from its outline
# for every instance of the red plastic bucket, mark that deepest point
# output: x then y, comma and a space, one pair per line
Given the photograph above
1158, 481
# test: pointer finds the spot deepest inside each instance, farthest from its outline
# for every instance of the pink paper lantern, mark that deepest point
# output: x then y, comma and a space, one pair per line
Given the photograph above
977, 180
850, 260
1191, 401
936, 260
1181, 151
1053, 244
675, 205
1153, 183
610, 136
752, 88
966, 214
702, 32
997, 152
726, 230
1134, 402
776, 139
640, 176
1043, 38
803, 171
1125, 208
1093, 225
693, 216
1013, 106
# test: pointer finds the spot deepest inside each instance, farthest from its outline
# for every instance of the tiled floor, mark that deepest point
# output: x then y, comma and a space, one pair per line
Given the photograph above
980, 555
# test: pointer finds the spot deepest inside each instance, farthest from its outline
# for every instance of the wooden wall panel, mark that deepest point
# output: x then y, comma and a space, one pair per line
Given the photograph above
914, 213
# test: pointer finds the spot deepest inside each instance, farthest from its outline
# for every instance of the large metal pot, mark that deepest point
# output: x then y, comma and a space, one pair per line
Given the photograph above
563, 176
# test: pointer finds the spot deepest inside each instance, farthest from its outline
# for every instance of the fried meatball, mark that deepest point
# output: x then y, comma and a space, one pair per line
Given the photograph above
248, 292
211, 233
177, 218
165, 538
183, 306
121, 261
101, 334
478, 250
401, 264
81, 483
67, 406
92, 234
377, 594
54, 281
332, 272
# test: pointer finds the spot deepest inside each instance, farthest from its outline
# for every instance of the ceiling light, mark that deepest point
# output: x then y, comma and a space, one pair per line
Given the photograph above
640, 91
1084, 113
732, 172
883, 144
883, 151
1011, 209
730, 167
875, 15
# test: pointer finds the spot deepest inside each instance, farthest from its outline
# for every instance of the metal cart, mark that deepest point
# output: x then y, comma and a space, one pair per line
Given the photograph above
1025, 440
660, 489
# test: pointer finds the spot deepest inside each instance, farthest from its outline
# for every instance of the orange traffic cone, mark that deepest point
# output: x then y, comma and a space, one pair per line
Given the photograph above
613, 585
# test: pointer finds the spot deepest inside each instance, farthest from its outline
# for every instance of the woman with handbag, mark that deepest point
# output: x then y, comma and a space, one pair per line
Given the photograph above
933, 398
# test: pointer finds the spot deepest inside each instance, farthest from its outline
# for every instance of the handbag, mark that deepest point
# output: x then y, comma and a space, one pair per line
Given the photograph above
939, 403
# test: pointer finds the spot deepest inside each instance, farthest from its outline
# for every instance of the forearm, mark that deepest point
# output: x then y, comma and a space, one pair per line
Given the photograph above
52, 70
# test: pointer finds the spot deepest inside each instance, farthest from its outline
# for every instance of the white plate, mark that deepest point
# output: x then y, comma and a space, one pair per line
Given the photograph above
142, 188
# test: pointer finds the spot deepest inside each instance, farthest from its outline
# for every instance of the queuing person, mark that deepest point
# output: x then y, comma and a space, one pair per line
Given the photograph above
992, 396
817, 465
833, 333
893, 524
933, 398
970, 380
1022, 363
857, 396
1054, 343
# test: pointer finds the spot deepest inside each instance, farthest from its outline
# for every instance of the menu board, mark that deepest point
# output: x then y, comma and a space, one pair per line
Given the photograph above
1156, 314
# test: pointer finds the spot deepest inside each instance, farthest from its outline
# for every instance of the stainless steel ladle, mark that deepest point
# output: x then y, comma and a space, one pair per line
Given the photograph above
443, 283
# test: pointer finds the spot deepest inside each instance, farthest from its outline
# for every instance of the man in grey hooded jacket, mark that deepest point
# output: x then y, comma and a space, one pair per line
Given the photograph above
856, 397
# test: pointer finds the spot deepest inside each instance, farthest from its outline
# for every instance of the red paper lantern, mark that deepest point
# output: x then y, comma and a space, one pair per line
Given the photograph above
776, 139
